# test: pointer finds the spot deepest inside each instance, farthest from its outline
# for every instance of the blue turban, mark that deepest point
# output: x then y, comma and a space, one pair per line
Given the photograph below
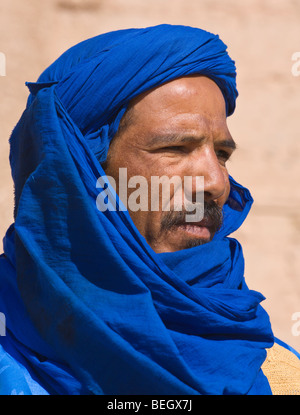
89, 306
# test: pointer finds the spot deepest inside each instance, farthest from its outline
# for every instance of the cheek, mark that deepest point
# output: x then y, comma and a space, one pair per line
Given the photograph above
222, 200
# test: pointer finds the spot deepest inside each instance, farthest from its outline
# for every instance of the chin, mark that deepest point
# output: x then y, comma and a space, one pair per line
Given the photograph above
186, 244
192, 243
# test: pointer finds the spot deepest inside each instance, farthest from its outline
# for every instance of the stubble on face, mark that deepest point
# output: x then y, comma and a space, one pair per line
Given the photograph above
212, 219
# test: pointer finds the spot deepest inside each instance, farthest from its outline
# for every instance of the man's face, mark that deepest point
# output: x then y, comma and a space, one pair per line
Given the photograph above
177, 129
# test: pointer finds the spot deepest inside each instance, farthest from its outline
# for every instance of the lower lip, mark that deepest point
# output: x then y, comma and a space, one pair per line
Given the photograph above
196, 231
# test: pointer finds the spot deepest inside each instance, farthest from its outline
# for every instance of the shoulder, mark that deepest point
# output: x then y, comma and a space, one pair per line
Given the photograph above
282, 369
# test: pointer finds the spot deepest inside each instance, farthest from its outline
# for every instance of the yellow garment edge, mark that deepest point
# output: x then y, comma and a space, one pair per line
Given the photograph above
282, 369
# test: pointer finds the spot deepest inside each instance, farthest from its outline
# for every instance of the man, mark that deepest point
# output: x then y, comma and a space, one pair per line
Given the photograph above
100, 299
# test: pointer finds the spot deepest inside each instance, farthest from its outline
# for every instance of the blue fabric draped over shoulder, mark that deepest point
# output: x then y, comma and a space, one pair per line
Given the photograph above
90, 307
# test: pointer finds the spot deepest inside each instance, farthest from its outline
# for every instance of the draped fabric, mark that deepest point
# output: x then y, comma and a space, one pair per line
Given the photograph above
90, 307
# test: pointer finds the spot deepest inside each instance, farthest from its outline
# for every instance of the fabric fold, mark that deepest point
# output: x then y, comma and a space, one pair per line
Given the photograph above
112, 314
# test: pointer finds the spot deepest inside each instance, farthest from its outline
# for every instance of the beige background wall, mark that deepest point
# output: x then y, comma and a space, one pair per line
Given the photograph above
262, 36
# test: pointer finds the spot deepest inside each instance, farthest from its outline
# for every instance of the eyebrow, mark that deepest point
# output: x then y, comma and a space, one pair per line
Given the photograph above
181, 139
227, 142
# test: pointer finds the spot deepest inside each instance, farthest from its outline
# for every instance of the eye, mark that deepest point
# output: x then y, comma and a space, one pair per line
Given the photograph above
223, 155
173, 148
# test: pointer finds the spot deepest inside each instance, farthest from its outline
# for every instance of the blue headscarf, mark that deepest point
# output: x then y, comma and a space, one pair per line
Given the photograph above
90, 307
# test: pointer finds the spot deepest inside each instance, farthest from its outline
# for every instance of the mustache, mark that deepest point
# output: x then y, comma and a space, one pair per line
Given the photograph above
213, 217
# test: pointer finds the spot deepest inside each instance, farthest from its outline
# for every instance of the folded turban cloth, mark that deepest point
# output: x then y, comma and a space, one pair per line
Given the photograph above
89, 306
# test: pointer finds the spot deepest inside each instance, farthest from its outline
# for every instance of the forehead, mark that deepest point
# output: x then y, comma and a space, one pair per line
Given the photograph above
189, 103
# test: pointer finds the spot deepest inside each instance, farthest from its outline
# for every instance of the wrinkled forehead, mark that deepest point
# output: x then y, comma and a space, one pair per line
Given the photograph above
195, 92
191, 106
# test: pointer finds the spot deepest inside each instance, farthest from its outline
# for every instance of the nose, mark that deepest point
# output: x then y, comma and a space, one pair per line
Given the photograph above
206, 164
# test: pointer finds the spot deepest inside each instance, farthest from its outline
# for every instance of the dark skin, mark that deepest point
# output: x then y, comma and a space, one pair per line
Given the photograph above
177, 129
